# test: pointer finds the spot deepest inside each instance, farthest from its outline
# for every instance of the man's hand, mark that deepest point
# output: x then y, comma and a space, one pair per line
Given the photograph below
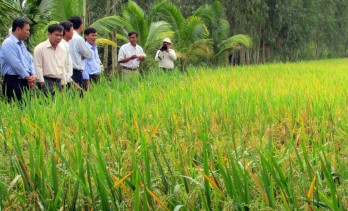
141, 58
31, 81
88, 85
76, 86
134, 57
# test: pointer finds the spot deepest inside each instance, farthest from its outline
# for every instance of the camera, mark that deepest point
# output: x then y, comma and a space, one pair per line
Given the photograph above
164, 47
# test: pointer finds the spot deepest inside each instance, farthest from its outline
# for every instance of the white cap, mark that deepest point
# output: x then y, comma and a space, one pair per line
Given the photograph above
167, 40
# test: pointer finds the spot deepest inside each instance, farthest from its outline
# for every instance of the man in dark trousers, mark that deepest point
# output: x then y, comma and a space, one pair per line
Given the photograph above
17, 63
78, 50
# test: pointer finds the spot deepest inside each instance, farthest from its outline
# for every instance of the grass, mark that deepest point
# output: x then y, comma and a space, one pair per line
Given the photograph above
270, 137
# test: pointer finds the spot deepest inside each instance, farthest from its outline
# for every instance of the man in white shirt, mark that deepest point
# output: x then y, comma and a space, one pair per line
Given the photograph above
130, 56
51, 61
92, 69
78, 50
166, 55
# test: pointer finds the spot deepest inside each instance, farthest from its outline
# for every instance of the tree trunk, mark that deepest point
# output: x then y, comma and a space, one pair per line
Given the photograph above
263, 53
268, 49
106, 48
114, 49
84, 12
247, 57
242, 56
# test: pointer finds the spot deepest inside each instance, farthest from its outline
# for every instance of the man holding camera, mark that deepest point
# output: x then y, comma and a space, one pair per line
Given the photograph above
166, 56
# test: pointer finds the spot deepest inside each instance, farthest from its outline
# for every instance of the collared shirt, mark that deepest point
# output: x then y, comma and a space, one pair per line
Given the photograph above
166, 58
16, 59
92, 66
69, 64
50, 62
128, 50
79, 51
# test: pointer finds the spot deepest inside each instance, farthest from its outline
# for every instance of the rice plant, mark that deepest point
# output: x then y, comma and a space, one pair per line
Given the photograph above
269, 137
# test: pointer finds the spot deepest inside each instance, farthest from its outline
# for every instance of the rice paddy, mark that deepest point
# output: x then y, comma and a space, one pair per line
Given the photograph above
267, 137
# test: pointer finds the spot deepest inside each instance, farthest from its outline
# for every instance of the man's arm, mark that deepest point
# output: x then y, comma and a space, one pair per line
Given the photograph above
85, 52
122, 57
158, 57
172, 54
38, 63
85, 72
142, 55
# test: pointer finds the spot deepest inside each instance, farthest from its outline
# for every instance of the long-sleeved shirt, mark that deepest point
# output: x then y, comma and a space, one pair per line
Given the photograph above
16, 59
92, 66
166, 58
69, 64
128, 50
50, 62
79, 51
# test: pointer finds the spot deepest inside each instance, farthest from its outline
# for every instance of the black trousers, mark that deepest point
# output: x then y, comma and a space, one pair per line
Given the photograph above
51, 84
13, 88
77, 77
95, 78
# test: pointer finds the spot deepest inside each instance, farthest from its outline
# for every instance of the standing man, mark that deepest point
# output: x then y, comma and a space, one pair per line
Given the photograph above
166, 56
17, 63
78, 50
92, 69
51, 61
67, 36
130, 56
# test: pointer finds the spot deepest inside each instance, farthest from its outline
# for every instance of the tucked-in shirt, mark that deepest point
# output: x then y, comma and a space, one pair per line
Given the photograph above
166, 58
128, 50
69, 64
16, 59
92, 66
79, 51
50, 62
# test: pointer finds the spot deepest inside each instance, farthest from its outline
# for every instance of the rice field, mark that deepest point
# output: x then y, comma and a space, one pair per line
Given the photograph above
268, 137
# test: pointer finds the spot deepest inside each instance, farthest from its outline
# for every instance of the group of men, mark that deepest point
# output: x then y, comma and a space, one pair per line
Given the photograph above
65, 60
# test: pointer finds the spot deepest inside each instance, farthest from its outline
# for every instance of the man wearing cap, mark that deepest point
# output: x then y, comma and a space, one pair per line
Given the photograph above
130, 56
166, 55
17, 63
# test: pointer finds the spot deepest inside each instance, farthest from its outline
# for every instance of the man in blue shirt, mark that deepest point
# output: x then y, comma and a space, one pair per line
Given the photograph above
92, 69
17, 63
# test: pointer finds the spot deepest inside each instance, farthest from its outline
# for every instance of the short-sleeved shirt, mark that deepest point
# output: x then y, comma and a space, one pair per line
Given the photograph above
128, 50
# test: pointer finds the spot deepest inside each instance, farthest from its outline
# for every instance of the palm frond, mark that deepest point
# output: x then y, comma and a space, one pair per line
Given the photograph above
206, 13
158, 31
109, 24
135, 19
167, 12
193, 30
233, 42
104, 42
61, 9
200, 48
8, 11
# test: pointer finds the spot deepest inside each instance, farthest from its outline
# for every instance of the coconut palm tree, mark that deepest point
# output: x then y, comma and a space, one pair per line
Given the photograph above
214, 17
204, 34
191, 35
133, 18
8, 10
